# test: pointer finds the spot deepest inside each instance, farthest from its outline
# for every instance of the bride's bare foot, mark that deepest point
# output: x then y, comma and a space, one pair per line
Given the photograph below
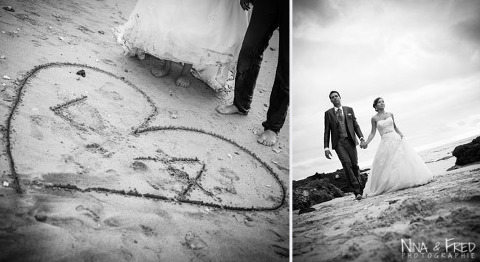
228, 109
162, 71
267, 138
141, 55
183, 79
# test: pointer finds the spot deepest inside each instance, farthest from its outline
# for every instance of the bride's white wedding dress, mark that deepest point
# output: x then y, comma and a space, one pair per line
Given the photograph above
396, 164
206, 33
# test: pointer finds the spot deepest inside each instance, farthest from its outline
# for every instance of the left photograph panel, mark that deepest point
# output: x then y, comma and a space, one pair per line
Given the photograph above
144, 130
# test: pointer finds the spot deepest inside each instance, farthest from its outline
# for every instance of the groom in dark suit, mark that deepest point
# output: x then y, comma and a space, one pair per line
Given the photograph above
341, 125
267, 16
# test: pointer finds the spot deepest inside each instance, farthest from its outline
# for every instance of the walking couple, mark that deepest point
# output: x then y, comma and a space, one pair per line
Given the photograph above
396, 164
211, 38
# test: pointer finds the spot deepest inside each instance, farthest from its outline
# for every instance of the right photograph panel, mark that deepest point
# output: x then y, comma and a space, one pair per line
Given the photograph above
385, 130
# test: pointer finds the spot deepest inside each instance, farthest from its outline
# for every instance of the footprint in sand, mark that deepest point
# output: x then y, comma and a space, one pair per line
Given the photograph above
103, 123
193, 241
87, 212
148, 231
36, 123
108, 91
25, 17
109, 62
282, 251
112, 222
36, 43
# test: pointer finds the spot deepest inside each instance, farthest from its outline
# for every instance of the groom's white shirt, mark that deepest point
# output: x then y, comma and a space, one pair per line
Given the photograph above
339, 108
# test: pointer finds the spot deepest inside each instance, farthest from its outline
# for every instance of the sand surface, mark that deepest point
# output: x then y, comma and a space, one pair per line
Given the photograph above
431, 216
118, 165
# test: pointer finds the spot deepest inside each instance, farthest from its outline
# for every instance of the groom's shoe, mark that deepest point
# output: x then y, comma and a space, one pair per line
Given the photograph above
358, 197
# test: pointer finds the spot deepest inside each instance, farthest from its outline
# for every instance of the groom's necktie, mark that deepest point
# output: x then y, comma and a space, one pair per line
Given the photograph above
343, 128
339, 115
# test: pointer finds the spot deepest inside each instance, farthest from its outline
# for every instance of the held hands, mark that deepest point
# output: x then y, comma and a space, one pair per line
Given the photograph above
363, 144
328, 154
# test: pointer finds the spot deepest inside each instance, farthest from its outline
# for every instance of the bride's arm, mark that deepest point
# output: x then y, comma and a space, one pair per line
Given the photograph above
372, 132
396, 128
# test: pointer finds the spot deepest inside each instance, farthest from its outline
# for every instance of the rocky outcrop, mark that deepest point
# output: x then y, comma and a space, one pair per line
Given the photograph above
317, 191
320, 188
467, 153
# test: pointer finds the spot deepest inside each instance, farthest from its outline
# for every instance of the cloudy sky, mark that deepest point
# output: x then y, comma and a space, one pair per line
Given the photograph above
421, 56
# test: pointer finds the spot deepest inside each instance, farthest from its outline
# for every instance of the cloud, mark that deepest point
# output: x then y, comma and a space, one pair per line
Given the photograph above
307, 12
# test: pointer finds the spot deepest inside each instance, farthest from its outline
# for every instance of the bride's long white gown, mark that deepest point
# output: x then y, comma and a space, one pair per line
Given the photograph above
205, 33
396, 164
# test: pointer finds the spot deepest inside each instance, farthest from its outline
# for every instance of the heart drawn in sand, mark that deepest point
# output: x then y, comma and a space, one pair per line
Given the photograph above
95, 134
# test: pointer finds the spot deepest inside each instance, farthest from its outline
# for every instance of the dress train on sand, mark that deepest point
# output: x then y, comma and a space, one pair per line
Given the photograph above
396, 164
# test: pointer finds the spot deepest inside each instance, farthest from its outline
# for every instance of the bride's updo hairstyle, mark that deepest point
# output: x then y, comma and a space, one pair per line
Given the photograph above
375, 103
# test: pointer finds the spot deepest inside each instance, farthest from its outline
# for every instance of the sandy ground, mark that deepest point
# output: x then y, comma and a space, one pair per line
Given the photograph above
118, 165
432, 217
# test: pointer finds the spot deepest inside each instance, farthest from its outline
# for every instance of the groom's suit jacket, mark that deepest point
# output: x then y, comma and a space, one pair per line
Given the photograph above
332, 126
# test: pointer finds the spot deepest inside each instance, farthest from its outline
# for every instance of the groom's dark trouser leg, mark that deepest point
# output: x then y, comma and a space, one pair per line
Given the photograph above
347, 154
264, 20
355, 168
356, 173
279, 97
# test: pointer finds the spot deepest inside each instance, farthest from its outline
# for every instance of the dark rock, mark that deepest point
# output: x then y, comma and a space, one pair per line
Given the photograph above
444, 158
467, 153
81, 73
9, 8
315, 192
306, 210
453, 168
301, 199
337, 178
321, 187
475, 198
392, 201
41, 217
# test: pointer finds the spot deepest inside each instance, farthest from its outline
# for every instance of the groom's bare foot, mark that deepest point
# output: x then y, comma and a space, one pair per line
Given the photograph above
228, 109
159, 72
183, 80
267, 138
